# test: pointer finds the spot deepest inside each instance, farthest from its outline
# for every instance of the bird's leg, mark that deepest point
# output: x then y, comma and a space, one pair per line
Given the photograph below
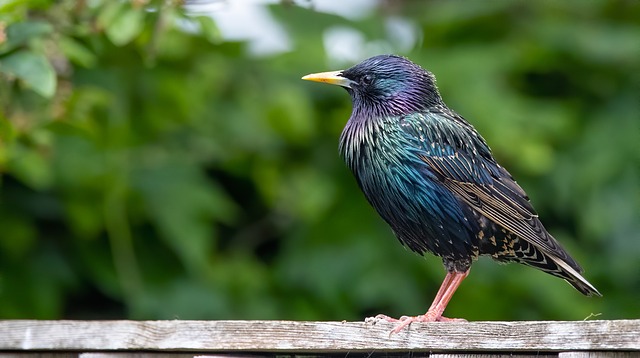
442, 299
445, 283
447, 289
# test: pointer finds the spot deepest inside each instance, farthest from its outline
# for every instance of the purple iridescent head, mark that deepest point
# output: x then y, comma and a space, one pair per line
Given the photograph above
385, 84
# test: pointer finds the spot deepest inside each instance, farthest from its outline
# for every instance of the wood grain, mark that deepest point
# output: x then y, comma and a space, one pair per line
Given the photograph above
294, 336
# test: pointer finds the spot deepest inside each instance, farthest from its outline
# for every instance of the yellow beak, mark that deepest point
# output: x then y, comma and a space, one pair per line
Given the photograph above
333, 78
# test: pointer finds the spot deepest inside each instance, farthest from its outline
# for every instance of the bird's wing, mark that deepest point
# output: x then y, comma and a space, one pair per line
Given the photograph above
461, 160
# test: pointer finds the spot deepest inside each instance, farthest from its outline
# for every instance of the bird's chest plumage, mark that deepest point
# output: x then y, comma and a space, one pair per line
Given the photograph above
396, 182
380, 160
372, 152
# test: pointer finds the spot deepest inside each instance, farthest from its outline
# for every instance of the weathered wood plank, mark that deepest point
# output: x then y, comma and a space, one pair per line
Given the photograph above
599, 355
293, 336
490, 355
38, 355
120, 354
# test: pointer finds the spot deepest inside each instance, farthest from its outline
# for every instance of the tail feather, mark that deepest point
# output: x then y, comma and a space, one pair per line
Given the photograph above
558, 267
558, 264
575, 279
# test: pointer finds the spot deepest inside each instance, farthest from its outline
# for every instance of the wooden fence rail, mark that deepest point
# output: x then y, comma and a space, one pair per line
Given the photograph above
102, 339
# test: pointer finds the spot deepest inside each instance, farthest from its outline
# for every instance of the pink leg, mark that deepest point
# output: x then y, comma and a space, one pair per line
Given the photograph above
447, 289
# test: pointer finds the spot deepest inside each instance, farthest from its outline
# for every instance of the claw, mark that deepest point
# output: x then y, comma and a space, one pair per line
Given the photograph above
386, 318
405, 321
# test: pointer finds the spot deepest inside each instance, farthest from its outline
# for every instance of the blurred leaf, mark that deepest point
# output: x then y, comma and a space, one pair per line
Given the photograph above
20, 33
76, 52
33, 69
209, 29
109, 13
122, 22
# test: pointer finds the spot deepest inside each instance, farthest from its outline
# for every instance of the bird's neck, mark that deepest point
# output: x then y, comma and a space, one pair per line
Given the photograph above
372, 107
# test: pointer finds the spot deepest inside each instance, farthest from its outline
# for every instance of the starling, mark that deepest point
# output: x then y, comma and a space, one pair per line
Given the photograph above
432, 178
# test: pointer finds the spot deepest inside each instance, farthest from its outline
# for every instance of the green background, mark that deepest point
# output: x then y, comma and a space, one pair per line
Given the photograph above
153, 168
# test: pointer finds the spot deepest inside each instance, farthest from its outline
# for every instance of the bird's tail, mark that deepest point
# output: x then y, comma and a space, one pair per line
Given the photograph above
573, 277
557, 263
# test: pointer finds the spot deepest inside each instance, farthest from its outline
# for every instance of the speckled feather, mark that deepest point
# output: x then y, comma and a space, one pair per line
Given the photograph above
432, 177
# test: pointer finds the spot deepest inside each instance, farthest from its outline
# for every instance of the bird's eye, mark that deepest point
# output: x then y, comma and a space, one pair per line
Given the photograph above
367, 79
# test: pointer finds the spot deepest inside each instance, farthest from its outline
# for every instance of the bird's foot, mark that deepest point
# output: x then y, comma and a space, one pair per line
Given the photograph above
405, 321
381, 317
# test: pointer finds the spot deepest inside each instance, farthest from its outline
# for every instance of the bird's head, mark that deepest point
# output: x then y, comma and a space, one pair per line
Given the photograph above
385, 84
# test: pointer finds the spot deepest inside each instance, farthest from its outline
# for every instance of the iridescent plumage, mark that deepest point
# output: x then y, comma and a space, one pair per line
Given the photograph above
432, 178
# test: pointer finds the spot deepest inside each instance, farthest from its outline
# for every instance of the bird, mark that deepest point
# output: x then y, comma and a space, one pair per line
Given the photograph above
432, 177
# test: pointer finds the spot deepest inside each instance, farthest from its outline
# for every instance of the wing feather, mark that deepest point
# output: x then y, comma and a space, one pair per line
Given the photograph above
462, 161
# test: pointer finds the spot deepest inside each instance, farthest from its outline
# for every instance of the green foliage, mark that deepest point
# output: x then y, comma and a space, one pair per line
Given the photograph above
151, 169
31, 67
